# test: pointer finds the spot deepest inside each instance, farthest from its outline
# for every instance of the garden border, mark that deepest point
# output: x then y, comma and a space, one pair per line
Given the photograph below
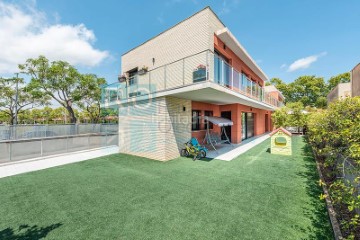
330, 208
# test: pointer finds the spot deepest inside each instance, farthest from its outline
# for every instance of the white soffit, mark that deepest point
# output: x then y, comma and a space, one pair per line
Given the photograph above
228, 38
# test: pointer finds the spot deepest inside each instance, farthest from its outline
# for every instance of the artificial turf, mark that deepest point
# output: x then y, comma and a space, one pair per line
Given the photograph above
255, 196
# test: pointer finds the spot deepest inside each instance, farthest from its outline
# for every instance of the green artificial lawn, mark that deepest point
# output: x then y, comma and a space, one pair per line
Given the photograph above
256, 196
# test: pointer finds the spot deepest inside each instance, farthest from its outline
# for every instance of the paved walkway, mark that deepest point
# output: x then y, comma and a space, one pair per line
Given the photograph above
226, 152
10, 169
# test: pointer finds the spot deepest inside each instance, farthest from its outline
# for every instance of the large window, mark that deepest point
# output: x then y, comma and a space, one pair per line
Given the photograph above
133, 77
208, 114
195, 120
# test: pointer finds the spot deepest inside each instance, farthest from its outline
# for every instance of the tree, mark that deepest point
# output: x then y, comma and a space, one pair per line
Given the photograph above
3, 117
59, 80
297, 115
335, 80
90, 103
59, 113
282, 87
307, 89
27, 97
280, 117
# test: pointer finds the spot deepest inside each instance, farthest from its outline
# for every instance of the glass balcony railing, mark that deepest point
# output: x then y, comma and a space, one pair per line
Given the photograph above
204, 66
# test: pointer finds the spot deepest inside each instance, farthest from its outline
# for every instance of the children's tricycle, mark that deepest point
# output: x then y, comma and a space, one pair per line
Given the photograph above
193, 148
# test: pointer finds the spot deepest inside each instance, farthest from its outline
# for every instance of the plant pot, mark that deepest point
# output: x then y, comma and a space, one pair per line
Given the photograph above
199, 75
142, 71
122, 79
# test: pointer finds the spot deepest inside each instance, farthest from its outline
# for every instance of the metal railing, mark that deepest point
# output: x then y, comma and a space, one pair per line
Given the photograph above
29, 131
204, 66
23, 149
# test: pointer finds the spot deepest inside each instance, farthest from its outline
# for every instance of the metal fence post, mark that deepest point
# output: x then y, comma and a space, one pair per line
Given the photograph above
232, 78
149, 81
165, 77
183, 71
41, 147
207, 65
251, 88
106, 136
222, 73
10, 151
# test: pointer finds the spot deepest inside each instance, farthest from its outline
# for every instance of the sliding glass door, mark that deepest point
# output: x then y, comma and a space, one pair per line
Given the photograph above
247, 125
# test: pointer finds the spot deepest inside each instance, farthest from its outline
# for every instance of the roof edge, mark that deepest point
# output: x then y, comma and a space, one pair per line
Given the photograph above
207, 7
282, 129
264, 77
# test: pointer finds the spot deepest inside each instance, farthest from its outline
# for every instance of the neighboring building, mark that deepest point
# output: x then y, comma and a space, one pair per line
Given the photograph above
196, 68
274, 93
341, 91
355, 81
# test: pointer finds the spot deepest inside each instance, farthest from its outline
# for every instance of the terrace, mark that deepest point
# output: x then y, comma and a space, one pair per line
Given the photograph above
205, 73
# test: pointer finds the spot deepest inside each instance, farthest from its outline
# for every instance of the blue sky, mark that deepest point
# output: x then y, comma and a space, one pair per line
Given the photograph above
286, 38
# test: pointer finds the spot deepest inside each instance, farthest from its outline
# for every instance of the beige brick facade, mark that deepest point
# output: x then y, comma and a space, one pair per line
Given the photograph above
155, 129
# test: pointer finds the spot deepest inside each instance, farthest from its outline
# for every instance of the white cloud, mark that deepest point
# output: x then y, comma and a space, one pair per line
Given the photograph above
161, 19
283, 66
304, 63
226, 6
26, 33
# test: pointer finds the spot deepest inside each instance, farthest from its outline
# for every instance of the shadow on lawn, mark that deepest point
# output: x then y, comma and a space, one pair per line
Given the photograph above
26, 232
317, 213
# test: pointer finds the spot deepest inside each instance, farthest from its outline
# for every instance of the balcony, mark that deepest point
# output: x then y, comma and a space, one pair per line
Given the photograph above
204, 67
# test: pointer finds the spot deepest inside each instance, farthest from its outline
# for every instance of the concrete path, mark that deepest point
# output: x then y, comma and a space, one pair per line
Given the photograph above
30, 165
227, 153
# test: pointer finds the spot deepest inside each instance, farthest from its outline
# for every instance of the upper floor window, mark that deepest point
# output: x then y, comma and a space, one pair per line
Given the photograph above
133, 76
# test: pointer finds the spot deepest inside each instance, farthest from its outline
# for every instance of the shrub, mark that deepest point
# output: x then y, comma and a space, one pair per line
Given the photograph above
335, 136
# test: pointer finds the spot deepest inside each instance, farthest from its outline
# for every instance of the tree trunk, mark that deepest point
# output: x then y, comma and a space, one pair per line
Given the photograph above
72, 114
12, 119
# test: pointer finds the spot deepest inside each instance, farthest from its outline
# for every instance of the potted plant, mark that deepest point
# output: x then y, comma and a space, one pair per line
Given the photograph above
199, 73
143, 70
122, 78
201, 67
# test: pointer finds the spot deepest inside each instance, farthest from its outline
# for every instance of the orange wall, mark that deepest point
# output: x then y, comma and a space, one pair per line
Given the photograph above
235, 61
236, 110
276, 95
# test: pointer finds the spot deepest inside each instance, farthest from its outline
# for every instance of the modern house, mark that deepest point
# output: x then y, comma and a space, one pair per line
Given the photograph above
169, 83
355, 81
272, 91
341, 91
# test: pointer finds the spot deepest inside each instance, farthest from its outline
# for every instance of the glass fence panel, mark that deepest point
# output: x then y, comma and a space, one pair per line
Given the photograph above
5, 152
54, 146
78, 143
25, 150
236, 81
204, 66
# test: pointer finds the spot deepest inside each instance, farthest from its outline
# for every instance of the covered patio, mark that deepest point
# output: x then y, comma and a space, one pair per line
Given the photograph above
228, 152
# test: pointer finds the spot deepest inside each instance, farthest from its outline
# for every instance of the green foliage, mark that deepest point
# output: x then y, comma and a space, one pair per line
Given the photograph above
280, 117
26, 97
63, 83
90, 103
335, 135
341, 78
293, 114
310, 90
